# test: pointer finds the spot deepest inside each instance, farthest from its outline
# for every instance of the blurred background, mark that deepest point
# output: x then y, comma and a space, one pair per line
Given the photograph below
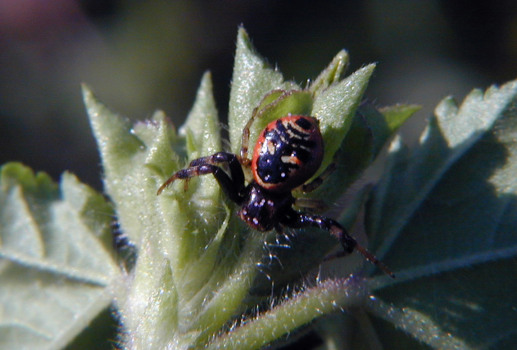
140, 56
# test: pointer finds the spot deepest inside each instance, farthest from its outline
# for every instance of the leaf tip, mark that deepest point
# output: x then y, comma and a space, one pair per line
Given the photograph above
206, 82
368, 70
87, 93
242, 35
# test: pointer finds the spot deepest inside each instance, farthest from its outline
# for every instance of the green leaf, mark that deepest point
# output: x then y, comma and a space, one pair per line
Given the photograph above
396, 115
335, 108
443, 218
202, 125
119, 148
350, 161
384, 122
57, 264
369, 132
136, 159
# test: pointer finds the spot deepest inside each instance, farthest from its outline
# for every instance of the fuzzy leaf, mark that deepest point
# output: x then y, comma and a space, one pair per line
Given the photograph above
297, 310
55, 257
194, 266
120, 150
444, 217
202, 125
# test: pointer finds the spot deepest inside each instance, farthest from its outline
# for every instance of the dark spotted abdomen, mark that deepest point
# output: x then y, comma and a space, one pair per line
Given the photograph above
288, 152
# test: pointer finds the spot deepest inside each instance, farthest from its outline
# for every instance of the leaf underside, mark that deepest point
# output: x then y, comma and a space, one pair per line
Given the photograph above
449, 211
55, 258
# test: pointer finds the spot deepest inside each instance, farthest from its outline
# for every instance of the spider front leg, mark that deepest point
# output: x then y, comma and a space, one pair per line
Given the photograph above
232, 186
299, 220
236, 173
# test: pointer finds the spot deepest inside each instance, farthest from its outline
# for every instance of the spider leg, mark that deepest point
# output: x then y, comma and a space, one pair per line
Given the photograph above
314, 184
246, 131
298, 220
312, 204
232, 186
280, 231
246, 138
234, 165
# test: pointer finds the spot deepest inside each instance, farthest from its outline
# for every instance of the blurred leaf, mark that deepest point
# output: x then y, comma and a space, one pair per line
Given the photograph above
384, 122
448, 215
396, 115
100, 334
350, 161
56, 264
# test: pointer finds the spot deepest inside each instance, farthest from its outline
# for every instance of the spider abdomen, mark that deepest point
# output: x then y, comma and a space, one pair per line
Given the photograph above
288, 152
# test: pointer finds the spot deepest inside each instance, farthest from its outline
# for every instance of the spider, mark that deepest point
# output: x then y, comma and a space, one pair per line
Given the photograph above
288, 152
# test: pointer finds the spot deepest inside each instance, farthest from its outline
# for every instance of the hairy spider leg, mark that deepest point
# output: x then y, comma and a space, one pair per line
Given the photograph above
311, 204
234, 166
245, 141
232, 186
299, 220
314, 184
